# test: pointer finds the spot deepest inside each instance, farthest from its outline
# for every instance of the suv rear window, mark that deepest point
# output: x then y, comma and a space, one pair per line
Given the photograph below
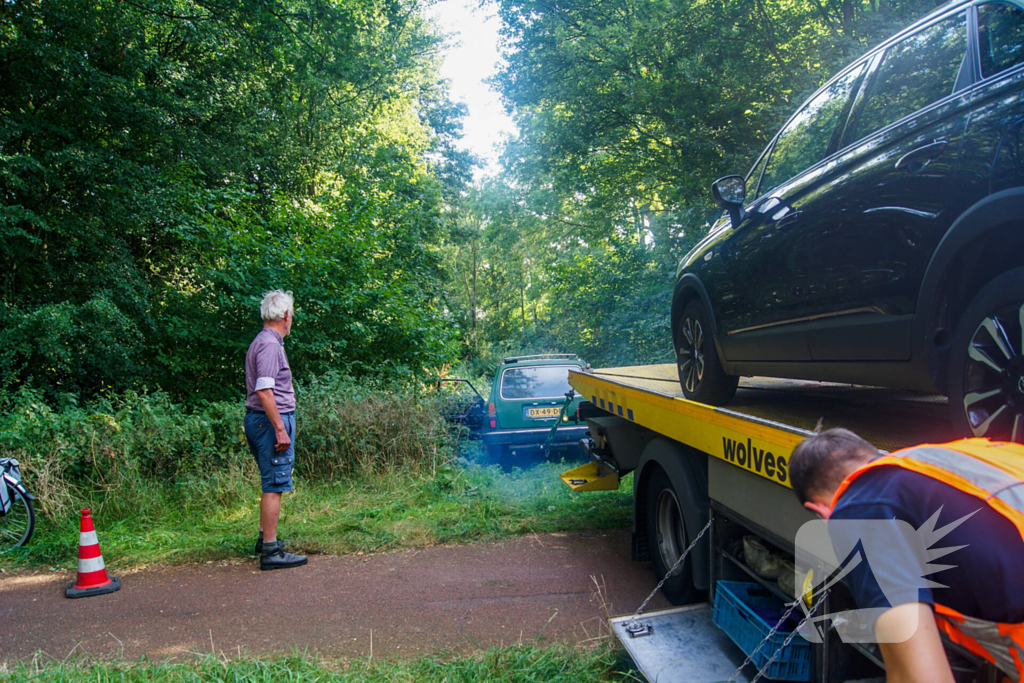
805, 139
548, 381
1000, 37
915, 72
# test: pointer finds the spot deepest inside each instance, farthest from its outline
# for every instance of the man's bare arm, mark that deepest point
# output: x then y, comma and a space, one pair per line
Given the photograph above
266, 397
919, 658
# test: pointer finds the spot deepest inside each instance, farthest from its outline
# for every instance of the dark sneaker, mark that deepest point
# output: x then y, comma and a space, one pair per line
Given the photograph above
259, 544
275, 557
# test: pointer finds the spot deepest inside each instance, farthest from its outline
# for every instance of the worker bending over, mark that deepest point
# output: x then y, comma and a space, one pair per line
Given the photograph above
975, 487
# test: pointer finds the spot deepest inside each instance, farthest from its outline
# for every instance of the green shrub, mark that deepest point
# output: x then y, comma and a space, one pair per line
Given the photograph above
133, 455
370, 426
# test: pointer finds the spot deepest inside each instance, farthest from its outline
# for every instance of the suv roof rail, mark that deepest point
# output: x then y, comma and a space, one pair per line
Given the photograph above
542, 356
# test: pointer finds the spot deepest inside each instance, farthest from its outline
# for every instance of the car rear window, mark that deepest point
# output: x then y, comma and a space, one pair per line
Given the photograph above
548, 381
915, 72
1001, 37
804, 141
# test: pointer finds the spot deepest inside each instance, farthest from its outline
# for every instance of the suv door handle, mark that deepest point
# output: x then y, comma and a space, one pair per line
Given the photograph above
916, 160
788, 220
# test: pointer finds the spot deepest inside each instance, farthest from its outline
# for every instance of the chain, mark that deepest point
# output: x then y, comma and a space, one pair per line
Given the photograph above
771, 633
785, 643
569, 396
671, 571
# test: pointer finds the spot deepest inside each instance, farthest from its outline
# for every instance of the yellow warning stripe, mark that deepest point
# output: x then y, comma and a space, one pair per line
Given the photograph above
757, 445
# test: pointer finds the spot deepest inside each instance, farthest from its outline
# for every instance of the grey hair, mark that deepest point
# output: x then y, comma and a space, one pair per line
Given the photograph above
276, 304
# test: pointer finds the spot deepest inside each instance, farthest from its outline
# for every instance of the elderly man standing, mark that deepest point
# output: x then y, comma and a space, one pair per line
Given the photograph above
270, 423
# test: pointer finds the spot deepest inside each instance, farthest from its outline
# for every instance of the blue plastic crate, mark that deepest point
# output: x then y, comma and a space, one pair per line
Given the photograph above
746, 628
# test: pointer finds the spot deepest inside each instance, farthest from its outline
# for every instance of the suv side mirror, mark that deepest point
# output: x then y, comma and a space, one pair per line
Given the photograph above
730, 193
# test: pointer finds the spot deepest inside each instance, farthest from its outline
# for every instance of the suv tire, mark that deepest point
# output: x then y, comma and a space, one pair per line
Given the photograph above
700, 371
986, 365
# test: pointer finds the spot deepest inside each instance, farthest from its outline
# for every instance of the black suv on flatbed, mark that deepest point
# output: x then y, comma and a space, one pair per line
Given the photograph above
879, 239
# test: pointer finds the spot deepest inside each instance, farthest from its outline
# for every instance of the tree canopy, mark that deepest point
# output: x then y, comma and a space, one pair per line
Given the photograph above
162, 163
627, 111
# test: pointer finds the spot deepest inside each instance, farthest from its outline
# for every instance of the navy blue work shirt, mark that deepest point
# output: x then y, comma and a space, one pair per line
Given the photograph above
985, 580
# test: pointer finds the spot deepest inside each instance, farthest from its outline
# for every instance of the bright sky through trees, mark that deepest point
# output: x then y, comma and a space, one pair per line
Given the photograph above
471, 58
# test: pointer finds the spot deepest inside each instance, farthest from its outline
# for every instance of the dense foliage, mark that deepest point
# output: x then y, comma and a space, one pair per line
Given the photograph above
627, 110
164, 163
132, 456
527, 282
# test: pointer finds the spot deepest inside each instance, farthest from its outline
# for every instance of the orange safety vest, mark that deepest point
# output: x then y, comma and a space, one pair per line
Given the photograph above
993, 472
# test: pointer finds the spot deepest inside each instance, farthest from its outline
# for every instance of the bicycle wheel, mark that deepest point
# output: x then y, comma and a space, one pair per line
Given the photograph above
17, 525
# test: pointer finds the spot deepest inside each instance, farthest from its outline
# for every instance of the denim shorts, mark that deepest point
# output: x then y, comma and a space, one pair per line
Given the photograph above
275, 468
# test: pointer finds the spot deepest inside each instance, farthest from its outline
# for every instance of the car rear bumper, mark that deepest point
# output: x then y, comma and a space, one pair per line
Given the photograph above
565, 435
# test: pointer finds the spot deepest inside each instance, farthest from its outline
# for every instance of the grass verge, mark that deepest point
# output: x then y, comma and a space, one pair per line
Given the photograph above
454, 504
515, 664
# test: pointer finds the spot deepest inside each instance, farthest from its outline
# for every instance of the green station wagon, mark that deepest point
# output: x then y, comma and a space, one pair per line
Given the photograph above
525, 402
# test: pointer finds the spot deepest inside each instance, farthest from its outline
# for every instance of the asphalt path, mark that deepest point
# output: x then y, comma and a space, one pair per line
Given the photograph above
444, 599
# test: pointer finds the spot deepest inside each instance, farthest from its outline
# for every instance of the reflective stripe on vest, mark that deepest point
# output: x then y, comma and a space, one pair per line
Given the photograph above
990, 471
1001, 644
993, 472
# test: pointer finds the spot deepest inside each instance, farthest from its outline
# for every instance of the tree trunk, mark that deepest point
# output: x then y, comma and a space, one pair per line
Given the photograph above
472, 298
638, 222
522, 307
847, 17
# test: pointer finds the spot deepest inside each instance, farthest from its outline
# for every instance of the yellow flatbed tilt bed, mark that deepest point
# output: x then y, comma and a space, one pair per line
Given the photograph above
774, 415
695, 465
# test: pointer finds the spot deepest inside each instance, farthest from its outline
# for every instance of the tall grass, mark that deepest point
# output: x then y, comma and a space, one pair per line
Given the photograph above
516, 664
377, 469
135, 455
370, 428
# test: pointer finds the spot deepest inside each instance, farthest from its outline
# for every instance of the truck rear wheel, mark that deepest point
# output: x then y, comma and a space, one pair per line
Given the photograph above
700, 371
668, 538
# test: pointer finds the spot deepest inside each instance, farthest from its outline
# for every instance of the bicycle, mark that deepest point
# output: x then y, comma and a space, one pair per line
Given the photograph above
17, 516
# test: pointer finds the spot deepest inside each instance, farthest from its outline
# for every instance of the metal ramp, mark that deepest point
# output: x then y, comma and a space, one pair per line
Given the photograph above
685, 646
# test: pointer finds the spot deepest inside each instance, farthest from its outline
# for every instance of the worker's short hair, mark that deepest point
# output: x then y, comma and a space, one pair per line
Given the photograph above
276, 304
821, 462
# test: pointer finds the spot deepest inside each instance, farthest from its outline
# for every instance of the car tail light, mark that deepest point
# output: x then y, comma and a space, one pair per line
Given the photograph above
492, 411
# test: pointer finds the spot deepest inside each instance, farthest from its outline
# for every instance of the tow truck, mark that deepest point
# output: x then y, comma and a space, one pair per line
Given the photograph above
694, 466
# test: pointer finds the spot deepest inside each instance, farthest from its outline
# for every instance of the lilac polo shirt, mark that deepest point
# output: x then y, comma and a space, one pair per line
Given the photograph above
266, 367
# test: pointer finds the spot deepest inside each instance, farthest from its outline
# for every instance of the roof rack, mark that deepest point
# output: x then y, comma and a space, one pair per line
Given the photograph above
542, 356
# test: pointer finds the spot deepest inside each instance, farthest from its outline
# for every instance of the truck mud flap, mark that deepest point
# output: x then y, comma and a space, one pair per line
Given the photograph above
681, 645
593, 476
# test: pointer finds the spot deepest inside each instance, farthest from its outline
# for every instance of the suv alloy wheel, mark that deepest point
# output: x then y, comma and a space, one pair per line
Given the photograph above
700, 372
986, 378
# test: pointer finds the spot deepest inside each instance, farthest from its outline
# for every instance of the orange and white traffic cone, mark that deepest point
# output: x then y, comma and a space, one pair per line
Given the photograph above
92, 573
